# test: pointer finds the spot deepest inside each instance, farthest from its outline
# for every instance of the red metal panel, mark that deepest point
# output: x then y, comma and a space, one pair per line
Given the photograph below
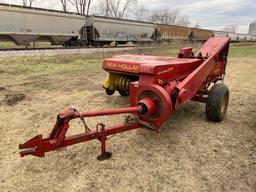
193, 82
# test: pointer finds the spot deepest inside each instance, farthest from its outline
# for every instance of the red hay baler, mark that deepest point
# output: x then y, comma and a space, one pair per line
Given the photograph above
157, 86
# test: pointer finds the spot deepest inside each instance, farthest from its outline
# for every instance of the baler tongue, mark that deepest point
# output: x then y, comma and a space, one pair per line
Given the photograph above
32, 147
38, 146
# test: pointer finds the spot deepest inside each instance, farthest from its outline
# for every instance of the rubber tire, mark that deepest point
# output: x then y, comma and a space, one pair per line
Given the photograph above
109, 92
214, 110
123, 93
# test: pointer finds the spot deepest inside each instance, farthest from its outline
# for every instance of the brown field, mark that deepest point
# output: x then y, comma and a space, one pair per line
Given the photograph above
189, 154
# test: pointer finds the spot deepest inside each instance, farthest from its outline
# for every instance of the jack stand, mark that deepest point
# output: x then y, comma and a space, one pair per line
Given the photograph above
104, 154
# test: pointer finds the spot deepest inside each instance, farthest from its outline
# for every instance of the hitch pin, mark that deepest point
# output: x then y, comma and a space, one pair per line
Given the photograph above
27, 151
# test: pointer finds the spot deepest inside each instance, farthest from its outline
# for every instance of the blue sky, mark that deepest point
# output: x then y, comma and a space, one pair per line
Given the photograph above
212, 14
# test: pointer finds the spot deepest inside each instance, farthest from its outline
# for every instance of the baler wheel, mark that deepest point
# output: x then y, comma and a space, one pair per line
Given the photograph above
123, 93
217, 102
109, 91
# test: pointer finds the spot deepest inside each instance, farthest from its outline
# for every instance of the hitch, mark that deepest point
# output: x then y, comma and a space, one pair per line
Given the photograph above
38, 146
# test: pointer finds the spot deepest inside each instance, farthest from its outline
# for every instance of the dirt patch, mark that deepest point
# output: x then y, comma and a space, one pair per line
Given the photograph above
9, 97
2, 88
13, 98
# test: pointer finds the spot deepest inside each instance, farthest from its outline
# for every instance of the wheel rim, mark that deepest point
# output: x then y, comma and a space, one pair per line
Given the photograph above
224, 103
110, 92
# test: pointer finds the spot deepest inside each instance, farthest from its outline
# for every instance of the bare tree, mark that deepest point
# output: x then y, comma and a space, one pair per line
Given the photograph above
142, 14
27, 3
164, 16
231, 28
64, 5
183, 21
88, 7
116, 8
77, 4
24, 2
81, 6
30, 3
197, 26
169, 17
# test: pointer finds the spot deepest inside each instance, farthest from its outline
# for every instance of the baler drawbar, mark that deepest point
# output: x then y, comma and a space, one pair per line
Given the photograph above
157, 86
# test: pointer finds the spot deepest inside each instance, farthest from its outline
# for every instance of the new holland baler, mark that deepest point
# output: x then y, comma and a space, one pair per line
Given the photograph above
157, 86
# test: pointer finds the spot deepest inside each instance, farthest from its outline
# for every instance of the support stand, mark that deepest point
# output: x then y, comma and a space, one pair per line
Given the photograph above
105, 155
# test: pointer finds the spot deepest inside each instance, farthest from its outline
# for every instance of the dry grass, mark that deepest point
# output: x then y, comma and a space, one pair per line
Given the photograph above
9, 45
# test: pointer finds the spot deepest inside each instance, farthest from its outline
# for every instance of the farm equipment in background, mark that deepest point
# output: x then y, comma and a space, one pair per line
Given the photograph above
157, 86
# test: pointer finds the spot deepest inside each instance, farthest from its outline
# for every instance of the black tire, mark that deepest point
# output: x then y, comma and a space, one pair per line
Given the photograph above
217, 102
109, 92
123, 93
